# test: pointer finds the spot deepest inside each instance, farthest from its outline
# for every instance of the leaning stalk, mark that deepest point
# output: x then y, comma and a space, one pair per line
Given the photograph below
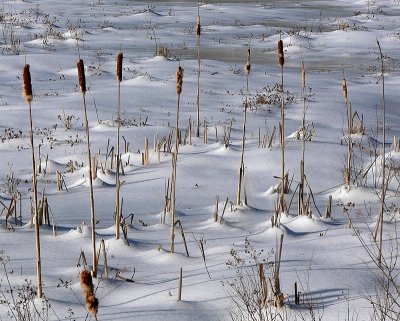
82, 84
27, 93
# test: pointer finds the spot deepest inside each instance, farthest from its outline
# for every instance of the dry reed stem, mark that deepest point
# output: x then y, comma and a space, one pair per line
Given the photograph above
179, 81
82, 84
118, 183
241, 168
27, 93
198, 33
303, 143
384, 183
281, 62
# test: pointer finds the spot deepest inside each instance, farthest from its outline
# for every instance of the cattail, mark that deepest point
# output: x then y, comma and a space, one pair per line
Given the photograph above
92, 303
248, 64
303, 75
27, 91
281, 58
179, 80
120, 56
198, 27
86, 281
344, 83
81, 75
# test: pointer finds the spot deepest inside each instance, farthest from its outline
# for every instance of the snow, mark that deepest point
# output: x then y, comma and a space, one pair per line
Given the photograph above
335, 40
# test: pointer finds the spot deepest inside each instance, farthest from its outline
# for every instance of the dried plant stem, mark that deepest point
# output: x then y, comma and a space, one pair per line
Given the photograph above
198, 32
383, 191
118, 183
241, 168
92, 218
282, 125
180, 285
179, 81
173, 182
303, 144
347, 176
35, 202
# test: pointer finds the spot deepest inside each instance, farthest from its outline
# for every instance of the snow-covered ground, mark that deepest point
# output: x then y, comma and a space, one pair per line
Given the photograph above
335, 39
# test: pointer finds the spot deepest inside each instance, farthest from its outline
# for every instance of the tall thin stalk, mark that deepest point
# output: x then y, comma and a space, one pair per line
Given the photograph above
179, 81
281, 61
198, 32
383, 191
303, 144
27, 93
82, 84
118, 183
241, 168
347, 176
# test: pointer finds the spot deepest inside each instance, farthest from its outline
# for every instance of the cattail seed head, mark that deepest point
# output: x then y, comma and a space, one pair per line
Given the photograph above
303, 75
120, 56
86, 281
179, 80
81, 75
248, 64
198, 27
344, 84
281, 57
27, 89
92, 303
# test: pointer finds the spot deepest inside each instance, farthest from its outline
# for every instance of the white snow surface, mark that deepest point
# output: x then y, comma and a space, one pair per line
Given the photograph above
335, 39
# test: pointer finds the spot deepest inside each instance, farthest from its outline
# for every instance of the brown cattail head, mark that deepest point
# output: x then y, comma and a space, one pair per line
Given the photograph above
281, 57
248, 64
179, 80
198, 27
86, 282
81, 75
344, 84
92, 304
303, 75
27, 90
120, 56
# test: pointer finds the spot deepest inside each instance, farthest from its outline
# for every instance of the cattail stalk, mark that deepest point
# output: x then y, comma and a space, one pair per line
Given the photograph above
347, 177
241, 169
281, 61
198, 33
179, 81
379, 225
303, 144
28, 95
118, 183
82, 85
